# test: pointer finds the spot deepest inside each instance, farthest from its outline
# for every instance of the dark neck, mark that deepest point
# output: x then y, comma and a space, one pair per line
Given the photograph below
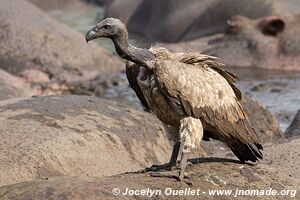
131, 53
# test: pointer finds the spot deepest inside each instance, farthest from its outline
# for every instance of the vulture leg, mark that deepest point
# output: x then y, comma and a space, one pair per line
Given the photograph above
191, 134
171, 164
174, 156
172, 133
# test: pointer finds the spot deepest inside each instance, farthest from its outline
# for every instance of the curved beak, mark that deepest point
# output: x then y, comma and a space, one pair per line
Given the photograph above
91, 34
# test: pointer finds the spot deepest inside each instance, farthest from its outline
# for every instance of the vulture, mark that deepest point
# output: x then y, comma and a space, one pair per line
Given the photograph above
190, 93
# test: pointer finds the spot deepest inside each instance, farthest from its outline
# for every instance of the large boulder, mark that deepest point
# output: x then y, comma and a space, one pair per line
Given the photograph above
284, 156
13, 87
177, 20
269, 42
266, 43
128, 8
30, 39
294, 128
76, 135
211, 178
263, 121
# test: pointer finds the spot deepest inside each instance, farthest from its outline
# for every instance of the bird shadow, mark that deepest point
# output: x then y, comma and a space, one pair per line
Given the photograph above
199, 160
214, 160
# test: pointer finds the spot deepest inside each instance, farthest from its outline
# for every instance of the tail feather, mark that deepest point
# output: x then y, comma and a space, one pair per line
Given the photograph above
246, 152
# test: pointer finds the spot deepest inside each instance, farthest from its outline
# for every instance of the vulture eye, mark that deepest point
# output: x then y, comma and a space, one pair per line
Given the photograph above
106, 26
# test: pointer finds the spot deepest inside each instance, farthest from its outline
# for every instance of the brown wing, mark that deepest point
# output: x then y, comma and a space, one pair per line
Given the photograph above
132, 72
199, 59
202, 92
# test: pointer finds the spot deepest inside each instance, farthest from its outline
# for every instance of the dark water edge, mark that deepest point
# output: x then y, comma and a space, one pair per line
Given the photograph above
279, 91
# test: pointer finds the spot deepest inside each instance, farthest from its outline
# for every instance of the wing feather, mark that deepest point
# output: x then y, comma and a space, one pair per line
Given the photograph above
206, 94
132, 72
198, 59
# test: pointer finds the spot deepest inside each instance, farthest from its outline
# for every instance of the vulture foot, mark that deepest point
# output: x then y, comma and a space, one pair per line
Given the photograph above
171, 165
182, 165
171, 171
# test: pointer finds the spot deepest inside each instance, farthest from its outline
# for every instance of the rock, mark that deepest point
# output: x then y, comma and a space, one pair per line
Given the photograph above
48, 46
263, 121
34, 76
176, 20
51, 4
197, 45
50, 136
284, 157
13, 87
255, 43
210, 175
248, 44
294, 128
128, 8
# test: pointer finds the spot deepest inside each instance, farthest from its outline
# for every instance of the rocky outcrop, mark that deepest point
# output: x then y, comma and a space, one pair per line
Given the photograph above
284, 157
176, 20
263, 121
128, 7
13, 87
269, 42
209, 175
294, 128
76, 135
48, 46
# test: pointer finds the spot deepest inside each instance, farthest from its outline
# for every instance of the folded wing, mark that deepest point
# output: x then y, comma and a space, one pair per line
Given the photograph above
202, 89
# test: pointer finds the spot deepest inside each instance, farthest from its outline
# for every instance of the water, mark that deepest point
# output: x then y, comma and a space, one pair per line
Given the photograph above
279, 91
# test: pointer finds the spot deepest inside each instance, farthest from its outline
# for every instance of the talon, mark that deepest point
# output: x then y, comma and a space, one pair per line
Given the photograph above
189, 164
185, 175
181, 176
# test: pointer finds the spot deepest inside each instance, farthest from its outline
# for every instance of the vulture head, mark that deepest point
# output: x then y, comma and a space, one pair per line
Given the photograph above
116, 30
109, 28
